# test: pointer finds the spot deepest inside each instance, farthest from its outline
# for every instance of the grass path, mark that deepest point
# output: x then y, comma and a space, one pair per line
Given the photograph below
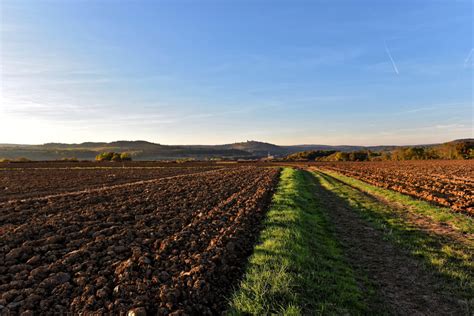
441, 270
456, 221
298, 267
333, 245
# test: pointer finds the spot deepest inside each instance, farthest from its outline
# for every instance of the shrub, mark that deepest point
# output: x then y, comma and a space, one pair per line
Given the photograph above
116, 157
341, 156
126, 157
358, 156
113, 156
107, 156
310, 155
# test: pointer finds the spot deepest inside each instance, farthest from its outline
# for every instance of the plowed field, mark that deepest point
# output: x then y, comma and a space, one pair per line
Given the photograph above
33, 182
166, 245
448, 183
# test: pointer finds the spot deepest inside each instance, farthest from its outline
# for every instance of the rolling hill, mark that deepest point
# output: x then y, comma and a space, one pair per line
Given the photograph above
144, 150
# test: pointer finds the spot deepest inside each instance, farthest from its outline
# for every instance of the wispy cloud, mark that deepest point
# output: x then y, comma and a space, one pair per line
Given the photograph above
419, 68
468, 59
395, 68
417, 110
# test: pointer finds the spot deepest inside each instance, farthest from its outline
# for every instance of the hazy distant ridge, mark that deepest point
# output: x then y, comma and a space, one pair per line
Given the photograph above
143, 150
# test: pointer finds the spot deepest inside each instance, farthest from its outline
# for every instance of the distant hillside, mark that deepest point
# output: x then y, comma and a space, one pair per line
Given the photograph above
143, 150
256, 148
298, 148
457, 149
140, 150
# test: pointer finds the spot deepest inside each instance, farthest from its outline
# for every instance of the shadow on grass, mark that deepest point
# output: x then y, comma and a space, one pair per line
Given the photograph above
297, 268
448, 261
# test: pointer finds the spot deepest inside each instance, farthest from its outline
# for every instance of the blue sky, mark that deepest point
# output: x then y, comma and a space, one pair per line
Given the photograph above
212, 72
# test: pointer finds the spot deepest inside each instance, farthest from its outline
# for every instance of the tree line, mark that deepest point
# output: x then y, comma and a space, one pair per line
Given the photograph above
453, 150
113, 156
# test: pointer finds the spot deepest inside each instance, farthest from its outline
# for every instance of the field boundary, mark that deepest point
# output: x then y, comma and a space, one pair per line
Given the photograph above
458, 224
437, 182
443, 263
298, 267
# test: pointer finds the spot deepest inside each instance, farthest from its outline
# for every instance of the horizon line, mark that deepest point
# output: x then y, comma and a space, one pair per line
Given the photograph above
259, 141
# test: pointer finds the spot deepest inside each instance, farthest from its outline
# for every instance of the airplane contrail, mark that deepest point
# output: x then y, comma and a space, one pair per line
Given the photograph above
395, 68
469, 57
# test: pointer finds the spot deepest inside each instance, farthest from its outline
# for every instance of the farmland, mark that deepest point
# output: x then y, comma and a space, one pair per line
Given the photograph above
335, 245
21, 183
178, 241
253, 238
445, 182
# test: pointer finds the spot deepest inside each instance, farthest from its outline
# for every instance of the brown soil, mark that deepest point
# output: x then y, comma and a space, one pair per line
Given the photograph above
421, 222
32, 182
168, 246
402, 283
444, 182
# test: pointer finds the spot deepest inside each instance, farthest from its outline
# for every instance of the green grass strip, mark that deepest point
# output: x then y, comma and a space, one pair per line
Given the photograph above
297, 267
457, 221
449, 259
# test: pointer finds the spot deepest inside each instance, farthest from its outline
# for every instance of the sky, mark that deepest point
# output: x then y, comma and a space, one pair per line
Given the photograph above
214, 72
